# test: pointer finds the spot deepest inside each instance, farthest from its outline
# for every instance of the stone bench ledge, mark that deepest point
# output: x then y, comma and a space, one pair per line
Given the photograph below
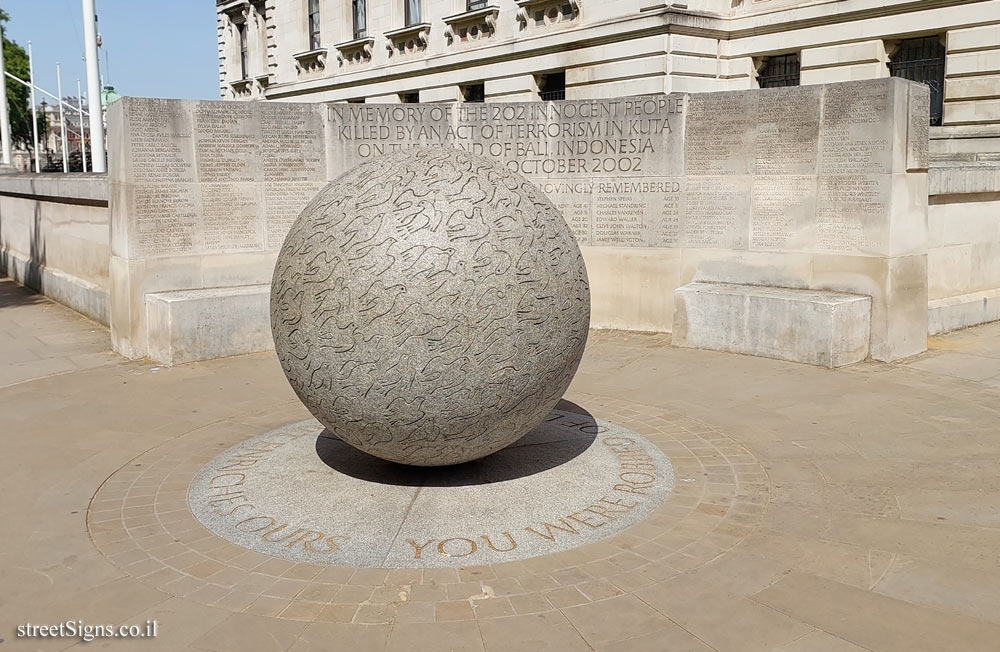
191, 325
820, 327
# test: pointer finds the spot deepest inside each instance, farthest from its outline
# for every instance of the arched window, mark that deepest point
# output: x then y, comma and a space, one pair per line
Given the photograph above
922, 60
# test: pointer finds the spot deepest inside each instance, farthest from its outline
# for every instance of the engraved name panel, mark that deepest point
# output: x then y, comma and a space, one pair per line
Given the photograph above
717, 212
856, 132
166, 216
231, 217
160, 142
720, 134
228, 142
294, 164
783, 212
852, 212
788, 131
918, 128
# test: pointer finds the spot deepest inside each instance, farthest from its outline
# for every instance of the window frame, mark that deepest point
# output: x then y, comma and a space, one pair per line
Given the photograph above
359, 19
789, 74
478, 97
314, 24
928, 69
545, 93
409, 8
243, 45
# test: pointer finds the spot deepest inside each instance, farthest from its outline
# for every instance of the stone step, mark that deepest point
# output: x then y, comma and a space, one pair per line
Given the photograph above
825, 328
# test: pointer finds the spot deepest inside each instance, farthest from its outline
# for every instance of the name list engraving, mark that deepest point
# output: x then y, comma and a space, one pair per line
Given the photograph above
789, 169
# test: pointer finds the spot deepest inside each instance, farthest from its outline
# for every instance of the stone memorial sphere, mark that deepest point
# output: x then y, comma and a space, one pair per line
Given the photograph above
430, 307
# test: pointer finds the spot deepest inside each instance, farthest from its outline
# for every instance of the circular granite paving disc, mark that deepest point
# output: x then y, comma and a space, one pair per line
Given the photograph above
302, 494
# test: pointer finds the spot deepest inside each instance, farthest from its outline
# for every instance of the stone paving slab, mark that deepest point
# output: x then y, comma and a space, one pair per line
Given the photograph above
813, 511
41, 338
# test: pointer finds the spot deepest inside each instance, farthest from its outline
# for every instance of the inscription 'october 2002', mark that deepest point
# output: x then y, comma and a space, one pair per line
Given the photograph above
628, 135
746, 140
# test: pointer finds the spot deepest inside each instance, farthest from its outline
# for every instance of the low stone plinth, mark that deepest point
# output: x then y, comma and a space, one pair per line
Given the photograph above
964, 311
830, 329
192, 325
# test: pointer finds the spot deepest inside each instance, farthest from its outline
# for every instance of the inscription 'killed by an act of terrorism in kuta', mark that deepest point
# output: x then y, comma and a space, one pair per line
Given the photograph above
798, 169
602, 479
610, 166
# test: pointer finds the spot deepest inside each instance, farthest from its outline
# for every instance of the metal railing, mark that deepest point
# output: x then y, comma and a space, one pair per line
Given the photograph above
94, 114
64, 127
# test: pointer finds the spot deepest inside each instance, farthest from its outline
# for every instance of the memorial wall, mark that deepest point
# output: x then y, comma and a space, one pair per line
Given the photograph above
819, 187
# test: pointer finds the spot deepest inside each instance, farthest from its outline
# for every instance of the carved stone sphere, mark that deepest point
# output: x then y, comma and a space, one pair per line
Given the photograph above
430, 307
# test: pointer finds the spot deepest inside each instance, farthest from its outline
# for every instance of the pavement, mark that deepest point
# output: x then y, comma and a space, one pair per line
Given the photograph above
815, 510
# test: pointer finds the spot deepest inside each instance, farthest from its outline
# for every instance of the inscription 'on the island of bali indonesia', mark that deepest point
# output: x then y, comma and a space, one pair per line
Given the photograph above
611, 166
635, 478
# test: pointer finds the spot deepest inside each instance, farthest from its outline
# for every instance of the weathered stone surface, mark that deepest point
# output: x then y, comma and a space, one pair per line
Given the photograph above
192, 325
431, 307
955, 313
830, 329
54, 238
820, 186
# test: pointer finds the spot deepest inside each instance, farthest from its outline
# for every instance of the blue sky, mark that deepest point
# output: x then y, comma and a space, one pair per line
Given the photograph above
152, 48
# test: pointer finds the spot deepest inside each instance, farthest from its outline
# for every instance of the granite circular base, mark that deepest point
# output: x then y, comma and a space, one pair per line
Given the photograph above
141, 523
301, 494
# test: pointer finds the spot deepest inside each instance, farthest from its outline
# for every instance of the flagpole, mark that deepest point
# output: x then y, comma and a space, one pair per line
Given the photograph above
98, 162
4, 116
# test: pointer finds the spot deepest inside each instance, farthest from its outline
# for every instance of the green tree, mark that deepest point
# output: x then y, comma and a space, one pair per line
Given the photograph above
18, 95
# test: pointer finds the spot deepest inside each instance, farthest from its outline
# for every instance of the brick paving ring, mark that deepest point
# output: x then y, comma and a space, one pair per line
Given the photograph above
146, 518
301, 494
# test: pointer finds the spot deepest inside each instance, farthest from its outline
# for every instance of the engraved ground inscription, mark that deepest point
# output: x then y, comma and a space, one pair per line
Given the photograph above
301, 494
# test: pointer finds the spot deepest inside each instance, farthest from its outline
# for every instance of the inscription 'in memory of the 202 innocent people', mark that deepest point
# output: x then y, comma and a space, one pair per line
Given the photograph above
795, 169
611, 166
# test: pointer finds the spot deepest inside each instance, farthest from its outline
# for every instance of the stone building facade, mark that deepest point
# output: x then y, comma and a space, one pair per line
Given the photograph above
517, 50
